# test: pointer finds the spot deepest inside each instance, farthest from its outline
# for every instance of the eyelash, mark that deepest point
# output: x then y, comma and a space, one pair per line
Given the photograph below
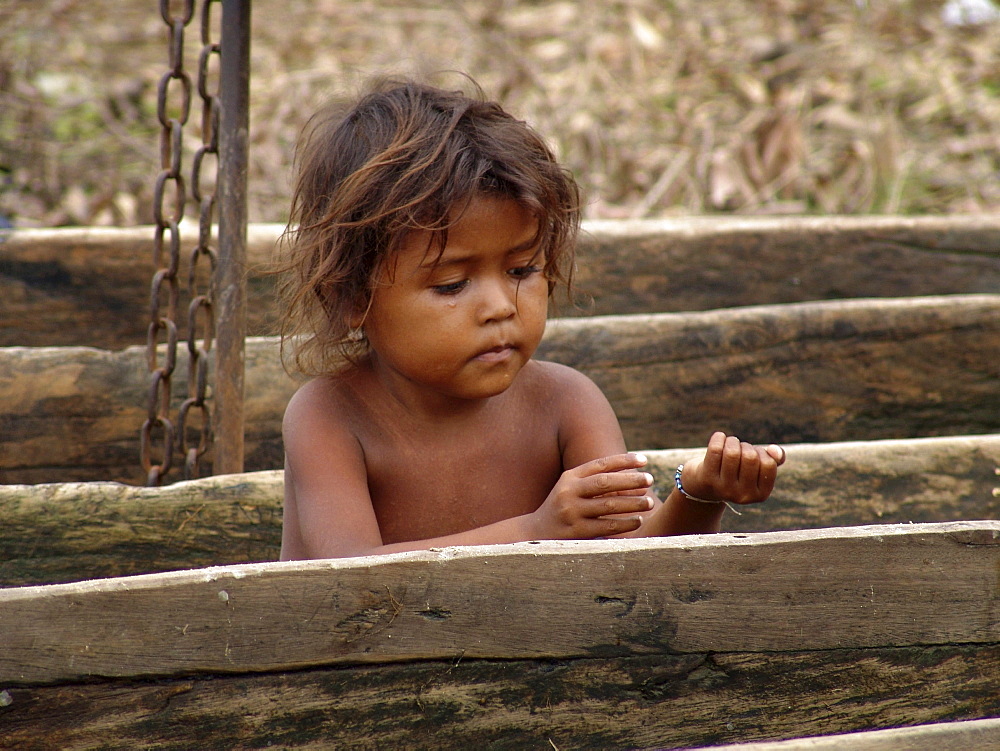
519, 273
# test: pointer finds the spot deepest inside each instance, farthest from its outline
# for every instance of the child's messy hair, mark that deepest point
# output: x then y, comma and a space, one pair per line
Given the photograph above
401, 158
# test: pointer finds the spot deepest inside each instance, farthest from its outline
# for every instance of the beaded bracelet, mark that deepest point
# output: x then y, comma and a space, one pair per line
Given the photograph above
683, 492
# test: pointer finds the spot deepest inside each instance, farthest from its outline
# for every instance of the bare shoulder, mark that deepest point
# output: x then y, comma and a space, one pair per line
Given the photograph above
319, 400
587, 425
561, 384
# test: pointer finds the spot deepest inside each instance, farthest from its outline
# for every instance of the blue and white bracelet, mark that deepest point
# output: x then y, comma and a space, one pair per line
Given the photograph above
683, 492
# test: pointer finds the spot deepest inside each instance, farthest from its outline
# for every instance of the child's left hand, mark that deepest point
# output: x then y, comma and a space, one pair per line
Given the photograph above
733, 470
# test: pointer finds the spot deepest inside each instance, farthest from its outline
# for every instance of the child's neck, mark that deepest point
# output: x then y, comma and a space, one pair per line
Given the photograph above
422, 404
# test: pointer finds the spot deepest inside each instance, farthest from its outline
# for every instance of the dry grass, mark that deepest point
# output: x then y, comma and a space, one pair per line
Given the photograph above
658, 106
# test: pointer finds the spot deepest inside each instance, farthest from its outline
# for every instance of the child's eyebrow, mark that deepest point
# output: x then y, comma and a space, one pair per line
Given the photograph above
455, 259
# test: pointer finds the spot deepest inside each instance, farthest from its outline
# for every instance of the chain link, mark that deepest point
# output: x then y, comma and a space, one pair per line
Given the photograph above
201, 315
159, 436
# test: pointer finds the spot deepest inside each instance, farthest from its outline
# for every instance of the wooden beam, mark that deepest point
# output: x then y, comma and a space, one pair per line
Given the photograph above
834, 371
944, 736
65, 532
810, 372
650, 701
851, 588
61, 532
90, 286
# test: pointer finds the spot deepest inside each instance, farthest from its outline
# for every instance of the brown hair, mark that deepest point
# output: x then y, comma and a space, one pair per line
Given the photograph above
398, 159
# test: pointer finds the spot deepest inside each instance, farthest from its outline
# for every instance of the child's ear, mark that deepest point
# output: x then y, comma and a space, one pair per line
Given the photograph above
358, 313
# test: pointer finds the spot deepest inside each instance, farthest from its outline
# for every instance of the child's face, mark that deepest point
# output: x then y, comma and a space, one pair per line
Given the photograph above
464, 324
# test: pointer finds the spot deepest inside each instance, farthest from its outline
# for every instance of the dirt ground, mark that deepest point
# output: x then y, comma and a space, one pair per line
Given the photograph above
660, 107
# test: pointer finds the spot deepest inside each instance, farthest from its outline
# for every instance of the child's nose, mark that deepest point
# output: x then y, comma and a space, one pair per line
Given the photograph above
499, 300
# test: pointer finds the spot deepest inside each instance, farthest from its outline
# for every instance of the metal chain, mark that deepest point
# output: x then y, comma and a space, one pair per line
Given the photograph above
203, 189
167, 219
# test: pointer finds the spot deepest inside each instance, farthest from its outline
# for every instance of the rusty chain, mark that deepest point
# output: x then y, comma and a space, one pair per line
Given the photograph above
174, 94
203, 190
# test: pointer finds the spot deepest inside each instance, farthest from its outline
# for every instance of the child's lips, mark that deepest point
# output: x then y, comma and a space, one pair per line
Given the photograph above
496, 354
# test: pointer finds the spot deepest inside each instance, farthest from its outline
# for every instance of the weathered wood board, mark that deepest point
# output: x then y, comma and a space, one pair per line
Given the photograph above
809, 372
67, 287
674, 642
968, 735
66, 532
869, 586
654, 701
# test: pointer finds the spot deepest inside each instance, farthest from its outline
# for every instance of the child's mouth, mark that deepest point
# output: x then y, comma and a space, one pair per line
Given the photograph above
496, 354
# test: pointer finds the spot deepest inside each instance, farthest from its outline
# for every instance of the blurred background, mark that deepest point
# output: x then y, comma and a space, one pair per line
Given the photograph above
659, 107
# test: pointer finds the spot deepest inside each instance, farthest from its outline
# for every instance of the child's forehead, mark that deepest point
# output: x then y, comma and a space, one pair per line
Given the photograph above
483, 224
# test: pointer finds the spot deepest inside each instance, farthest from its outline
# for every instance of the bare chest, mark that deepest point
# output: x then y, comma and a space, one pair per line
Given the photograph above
437, 482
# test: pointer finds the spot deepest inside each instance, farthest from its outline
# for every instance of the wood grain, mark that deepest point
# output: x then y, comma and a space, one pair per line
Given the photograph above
90, 286
59, 532
810, 372
648, 701
63, 532
942, 736
856, 587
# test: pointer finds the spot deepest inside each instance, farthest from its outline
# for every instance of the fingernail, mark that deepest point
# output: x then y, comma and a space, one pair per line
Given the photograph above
641, 458
649, 502
648, 477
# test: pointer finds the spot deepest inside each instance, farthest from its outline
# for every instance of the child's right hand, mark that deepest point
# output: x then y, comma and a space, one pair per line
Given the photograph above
586, 499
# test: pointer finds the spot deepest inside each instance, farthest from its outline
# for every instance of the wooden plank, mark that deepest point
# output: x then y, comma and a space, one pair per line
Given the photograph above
945, 736
862, 482
65, 532
651, 701
811, 372
856, 587
74, 413
688, 263
90, 286
836, 371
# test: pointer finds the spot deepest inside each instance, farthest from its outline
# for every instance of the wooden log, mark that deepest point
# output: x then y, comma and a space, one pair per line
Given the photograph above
90, 286
656, 701
66, 532
854, 587
810, 372
679, 642
942, 736
835, 371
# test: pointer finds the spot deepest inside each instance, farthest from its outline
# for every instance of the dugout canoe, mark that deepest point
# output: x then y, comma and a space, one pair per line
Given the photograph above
64, 532
797, 373
665, 643
90, 286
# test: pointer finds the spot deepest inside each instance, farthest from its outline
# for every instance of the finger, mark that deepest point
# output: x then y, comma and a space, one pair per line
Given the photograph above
610, 526
749, 454
732, 453
749, 466
616, 505
768, 472
777, 453
612, 463
633, 492
610, 483
713, 455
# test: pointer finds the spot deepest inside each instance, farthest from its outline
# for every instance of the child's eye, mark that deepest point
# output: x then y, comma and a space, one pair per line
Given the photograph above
522, 272
450, 289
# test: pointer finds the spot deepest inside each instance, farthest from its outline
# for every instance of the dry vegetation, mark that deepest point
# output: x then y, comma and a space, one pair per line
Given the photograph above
658, 106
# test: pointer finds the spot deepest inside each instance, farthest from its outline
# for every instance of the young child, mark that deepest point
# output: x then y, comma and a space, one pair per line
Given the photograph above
430, 228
